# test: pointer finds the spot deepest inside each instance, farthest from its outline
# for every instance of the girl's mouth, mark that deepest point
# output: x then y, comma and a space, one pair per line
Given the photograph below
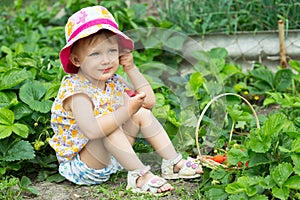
106, 69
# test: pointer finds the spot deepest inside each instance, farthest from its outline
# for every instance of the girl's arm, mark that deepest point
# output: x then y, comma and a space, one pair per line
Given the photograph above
137, 79
93, 128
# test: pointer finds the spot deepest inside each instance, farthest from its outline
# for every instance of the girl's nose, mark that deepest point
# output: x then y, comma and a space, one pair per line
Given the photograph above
105, 59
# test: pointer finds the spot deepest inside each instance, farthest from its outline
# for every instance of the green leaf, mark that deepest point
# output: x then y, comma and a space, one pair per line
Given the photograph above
281, 193
293, 183
240, 186
196, 81
25, 183
6, 117
21, 150
5, 131
234, 156
4, 100
12, 78
259, 142
264, 74
283, 79
175, 42
274, 124
295, 65
296, 160
219, 53
32, 93
281, 173
259, 197
21, 110
296, 146
216, 193
21, 130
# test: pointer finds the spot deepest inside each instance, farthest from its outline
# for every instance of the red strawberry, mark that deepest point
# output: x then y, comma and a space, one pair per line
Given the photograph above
219, 158
130, 93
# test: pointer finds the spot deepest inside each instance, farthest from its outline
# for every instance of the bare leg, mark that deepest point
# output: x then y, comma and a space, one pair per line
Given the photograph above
155, 134
97, 153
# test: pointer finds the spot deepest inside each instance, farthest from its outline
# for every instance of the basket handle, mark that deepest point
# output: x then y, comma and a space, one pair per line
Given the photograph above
213, 100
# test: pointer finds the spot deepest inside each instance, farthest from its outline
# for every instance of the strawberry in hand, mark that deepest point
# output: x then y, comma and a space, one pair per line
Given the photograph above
130, 93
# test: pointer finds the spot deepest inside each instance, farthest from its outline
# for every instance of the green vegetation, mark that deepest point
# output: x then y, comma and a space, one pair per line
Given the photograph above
30, 74
230, 16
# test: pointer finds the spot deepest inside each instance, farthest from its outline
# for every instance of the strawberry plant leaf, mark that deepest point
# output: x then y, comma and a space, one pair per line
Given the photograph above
281, 173
216, 193
32, 93
21, 110
293, 182
234, 156
5, 131
4, 100
283, 79
296, 145
12, 78
258, 141
264, 75
21, 150
21, 130
295, 65
6, 117
296, 160
240, 186
281, 193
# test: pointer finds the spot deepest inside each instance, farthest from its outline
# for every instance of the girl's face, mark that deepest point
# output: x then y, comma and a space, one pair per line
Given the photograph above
97, 60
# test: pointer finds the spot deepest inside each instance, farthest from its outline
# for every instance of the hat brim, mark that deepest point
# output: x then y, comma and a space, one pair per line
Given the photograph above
124, 42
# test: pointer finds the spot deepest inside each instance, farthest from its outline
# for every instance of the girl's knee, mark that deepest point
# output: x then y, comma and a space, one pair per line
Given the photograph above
142, 115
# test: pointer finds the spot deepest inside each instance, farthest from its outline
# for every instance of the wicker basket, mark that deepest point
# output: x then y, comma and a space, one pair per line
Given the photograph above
206, 160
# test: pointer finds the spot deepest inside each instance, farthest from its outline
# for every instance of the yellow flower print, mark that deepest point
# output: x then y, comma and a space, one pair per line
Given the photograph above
105, 13
57, 107
112, 86
74, 133
61, 153
72, 121
60, 130
69, 142
119, 94
110, 109
96, 112
59, 119
70, 28
76, 149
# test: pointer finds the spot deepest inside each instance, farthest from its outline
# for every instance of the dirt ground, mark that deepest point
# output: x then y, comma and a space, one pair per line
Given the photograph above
69, 191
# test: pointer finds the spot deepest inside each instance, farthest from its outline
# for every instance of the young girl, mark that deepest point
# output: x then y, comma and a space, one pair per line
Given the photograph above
96, 122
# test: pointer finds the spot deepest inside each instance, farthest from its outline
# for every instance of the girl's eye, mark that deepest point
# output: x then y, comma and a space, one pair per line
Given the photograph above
113, 51
94, 54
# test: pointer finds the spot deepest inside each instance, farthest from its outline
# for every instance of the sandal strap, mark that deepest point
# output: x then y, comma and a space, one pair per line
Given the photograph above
190, 167
168, 165
173, 161
153, 184
139, 172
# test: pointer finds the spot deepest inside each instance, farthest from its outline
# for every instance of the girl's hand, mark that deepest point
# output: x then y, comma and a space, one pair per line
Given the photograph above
135, 103
126, 60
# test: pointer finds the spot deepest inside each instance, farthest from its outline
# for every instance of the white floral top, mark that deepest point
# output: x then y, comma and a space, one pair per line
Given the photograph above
68, 140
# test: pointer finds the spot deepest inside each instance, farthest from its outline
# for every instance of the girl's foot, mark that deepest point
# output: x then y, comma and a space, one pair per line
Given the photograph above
180, 168
143, 181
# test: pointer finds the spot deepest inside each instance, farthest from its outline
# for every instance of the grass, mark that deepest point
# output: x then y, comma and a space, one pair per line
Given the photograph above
229, 16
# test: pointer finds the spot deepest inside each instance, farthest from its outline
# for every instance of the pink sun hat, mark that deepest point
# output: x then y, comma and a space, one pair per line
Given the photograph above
85, 22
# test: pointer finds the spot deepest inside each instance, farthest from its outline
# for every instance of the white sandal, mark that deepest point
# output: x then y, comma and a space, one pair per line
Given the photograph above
150, 187
189, 169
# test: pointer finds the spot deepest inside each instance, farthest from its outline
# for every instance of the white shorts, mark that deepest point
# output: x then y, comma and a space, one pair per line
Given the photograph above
79, 173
